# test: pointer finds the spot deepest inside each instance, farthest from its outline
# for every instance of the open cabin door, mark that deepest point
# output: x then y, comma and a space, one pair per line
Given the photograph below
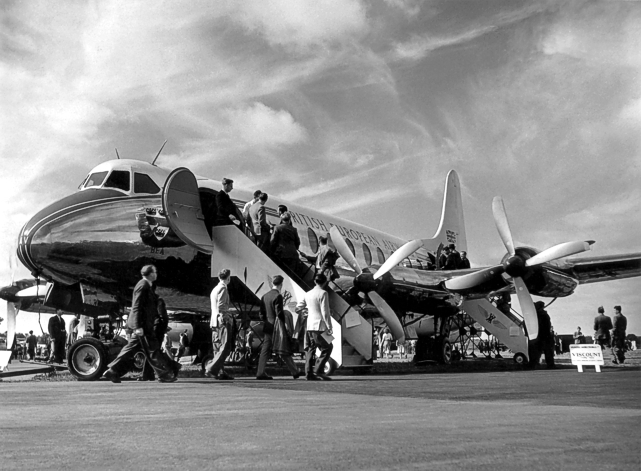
181, 202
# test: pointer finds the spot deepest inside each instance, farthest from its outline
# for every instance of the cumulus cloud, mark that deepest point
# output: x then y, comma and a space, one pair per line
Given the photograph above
260, 125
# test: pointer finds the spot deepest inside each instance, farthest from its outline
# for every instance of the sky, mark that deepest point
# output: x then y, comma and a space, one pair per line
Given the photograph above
355, 108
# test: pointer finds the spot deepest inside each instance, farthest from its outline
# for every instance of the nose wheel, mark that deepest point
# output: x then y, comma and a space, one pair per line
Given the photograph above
87, 359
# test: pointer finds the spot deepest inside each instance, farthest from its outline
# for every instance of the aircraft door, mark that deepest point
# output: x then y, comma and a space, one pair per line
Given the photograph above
181, 202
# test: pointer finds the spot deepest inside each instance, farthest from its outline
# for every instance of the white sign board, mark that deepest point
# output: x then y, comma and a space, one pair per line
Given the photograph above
582, 354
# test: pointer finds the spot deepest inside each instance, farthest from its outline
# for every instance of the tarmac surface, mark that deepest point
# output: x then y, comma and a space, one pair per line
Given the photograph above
543, 419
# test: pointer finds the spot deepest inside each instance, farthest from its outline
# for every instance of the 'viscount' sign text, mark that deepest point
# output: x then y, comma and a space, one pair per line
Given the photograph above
586, 355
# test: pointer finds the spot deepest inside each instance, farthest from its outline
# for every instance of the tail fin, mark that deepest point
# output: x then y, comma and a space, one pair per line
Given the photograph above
451, 230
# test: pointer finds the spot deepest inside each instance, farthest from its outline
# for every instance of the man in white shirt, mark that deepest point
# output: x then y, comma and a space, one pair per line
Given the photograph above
316, 303
248, 205
221, 323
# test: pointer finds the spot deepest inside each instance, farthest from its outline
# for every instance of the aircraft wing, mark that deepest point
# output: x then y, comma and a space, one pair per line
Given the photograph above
611, 267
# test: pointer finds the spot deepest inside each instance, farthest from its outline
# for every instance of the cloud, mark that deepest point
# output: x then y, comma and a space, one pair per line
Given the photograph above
303, 24
420, 45
260, 125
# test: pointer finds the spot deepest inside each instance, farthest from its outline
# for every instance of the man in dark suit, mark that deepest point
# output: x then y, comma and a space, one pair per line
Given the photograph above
465, 262
58, 336
285, 243
453, 259
226, 211
620, 324
326, 259
602, 326
544, 343
144, 310
271, 308
259, 222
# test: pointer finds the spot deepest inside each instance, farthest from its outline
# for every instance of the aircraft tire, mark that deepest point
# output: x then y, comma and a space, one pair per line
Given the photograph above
445, 352
520, 359
87, 359
330, 367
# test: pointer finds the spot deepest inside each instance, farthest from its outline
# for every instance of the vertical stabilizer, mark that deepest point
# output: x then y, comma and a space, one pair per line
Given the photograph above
452, 226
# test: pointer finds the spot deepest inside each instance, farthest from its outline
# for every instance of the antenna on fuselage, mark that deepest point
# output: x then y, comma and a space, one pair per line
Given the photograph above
156, 158
117, 155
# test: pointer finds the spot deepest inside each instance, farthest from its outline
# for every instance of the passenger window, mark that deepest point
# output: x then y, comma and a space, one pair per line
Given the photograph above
368, 255
313, 240
351, 247
118, 179
144, 184
380, 255
95, 179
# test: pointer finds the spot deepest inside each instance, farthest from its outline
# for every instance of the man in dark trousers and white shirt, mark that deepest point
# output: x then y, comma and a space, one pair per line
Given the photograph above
222, 326
316, 302
144, 308
58, 336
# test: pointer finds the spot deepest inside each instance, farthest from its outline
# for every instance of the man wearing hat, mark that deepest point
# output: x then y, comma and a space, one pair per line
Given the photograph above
620, 324
602, 326
226, 213
31, 343
544, 343
285, 242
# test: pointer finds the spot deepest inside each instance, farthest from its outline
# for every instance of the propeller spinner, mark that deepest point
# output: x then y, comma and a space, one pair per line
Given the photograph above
516, 267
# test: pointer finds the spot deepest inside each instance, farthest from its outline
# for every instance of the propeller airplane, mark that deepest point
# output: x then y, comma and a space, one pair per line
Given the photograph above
90, 246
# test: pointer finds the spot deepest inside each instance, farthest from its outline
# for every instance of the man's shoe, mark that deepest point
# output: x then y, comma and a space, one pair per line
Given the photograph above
296, 375
312, 378
211, 375
170, 379
224, 376
324, 377
111, 376
615, 362
144, 379
264, 377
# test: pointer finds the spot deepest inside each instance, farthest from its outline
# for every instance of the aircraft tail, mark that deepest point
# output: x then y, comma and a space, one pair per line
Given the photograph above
452, 226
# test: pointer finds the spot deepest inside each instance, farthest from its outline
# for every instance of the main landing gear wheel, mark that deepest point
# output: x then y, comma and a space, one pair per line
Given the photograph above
330, 367
87, 359
520, 359
446, 352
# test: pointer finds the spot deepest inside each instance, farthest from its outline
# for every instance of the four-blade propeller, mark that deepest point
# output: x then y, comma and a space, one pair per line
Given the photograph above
516, 267
367, 282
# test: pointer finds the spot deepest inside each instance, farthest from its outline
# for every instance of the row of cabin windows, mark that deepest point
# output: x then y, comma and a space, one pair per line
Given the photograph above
367, 253
120, 179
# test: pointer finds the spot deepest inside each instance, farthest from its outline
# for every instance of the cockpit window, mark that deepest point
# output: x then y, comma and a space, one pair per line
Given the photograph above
118, 179
94, 180
144, 184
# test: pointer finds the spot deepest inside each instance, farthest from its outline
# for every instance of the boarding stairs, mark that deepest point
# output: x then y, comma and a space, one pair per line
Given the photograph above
232, 249
507, 328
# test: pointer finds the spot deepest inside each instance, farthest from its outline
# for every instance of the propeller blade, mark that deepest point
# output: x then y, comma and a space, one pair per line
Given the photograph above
559, 251
500, 219
11, 324
343, 250
472, 280
391, 319
403, 252
528, 311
